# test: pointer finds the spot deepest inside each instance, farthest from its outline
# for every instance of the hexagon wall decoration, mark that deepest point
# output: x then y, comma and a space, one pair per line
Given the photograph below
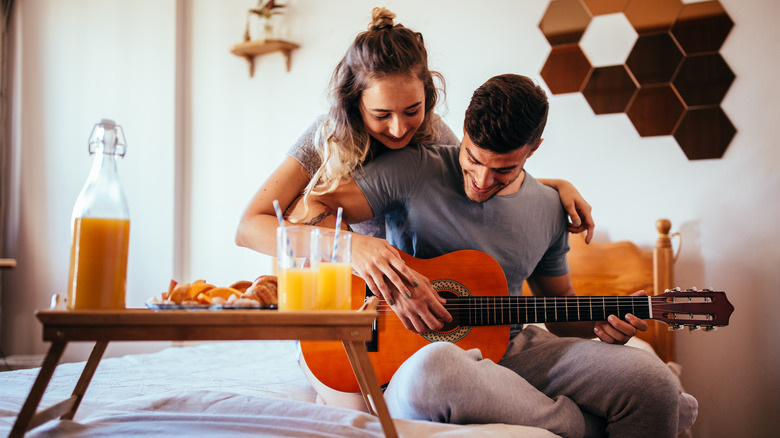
671, 83
609, 89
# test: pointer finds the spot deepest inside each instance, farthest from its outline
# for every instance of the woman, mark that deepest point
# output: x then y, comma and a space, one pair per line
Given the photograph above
383, 98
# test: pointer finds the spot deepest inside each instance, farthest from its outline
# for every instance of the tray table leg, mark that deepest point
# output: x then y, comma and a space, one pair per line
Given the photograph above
369, 385
86, 377
39, 387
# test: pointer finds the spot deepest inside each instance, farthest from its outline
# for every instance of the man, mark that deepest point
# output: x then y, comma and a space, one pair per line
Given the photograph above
441, 199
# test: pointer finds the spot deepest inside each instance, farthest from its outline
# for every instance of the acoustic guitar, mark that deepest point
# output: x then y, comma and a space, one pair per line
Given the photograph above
476, 291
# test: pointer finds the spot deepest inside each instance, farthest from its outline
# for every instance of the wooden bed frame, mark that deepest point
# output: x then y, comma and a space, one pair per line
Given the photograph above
621, 268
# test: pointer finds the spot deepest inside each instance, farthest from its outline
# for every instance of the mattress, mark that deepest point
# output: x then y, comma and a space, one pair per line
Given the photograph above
236, 388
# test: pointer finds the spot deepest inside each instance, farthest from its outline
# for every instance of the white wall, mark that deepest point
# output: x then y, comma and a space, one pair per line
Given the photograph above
82, 60
79, 62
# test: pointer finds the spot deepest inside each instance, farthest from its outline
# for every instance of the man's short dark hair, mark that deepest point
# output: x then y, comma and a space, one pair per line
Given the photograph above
506, 113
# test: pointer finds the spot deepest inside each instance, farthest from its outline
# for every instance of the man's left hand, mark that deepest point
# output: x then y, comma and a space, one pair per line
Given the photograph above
617, 331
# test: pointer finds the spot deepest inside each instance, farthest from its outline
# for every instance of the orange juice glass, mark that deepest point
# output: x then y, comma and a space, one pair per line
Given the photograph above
98, 263
334, 281
297, 287
297, 267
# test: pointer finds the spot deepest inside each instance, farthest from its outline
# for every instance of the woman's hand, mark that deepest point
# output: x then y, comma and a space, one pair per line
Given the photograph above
575, 205
424, 310
411, 295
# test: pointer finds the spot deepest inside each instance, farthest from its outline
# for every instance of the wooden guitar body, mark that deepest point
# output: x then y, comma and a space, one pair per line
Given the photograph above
477, 274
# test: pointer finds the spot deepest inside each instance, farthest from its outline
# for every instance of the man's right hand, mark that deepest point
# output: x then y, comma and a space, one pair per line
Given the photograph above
410, 294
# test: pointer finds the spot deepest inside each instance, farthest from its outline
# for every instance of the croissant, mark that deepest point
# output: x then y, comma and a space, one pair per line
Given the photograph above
241, 286
264, 289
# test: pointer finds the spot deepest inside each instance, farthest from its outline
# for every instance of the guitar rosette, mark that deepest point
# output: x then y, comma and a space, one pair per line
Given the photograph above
452, 332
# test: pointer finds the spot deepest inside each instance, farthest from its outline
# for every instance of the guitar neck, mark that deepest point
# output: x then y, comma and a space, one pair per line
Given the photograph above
476, 310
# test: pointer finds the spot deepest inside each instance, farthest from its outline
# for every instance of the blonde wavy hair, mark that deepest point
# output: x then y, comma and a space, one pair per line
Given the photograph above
342, 140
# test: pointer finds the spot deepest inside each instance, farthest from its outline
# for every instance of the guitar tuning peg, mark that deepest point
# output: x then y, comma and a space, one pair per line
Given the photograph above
709, 328
692, 328
675, 327
676, 289
693, 289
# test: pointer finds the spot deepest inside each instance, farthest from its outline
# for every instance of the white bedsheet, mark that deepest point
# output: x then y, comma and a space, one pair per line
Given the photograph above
239, 388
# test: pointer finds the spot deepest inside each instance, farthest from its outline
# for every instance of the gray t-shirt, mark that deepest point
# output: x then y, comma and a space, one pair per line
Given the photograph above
305, 152
420, 192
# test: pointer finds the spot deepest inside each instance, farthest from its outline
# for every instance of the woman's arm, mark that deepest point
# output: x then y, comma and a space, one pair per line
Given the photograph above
412, 296
575, 205
257, 228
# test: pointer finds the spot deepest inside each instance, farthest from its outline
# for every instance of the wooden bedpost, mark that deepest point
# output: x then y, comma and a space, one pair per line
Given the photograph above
663, 279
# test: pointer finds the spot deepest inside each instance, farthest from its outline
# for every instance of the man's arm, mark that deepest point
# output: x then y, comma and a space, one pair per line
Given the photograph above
613, 331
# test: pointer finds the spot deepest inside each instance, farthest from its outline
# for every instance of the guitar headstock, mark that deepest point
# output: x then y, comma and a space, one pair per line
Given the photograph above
692, 308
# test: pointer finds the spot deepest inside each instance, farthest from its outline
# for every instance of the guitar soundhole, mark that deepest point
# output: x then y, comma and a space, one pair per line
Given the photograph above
452, 331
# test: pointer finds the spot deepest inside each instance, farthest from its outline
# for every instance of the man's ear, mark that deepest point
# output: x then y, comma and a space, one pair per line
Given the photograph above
535, 148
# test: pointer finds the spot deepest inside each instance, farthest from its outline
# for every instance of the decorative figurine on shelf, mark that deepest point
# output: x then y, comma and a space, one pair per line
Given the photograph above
264, 10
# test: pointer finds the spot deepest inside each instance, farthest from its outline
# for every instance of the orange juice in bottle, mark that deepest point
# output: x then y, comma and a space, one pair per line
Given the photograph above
98, 272
101, 228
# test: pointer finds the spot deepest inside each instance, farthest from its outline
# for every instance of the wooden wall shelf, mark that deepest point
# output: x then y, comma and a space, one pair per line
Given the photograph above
250, 49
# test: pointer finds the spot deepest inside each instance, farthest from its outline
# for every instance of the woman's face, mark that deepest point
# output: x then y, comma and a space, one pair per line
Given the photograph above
393, 108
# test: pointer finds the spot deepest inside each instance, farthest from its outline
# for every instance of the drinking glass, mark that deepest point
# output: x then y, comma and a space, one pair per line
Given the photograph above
334, 280
297, 261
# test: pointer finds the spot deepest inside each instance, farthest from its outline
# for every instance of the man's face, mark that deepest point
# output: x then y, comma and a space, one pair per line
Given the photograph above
487, 174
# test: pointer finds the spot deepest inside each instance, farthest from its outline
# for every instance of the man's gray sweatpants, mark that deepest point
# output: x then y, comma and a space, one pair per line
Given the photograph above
569, 386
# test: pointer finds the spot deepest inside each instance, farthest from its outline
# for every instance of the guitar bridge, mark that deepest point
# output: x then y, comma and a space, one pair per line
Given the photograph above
373, 345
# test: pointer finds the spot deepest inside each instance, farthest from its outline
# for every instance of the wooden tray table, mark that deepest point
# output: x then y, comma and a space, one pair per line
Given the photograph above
352, 328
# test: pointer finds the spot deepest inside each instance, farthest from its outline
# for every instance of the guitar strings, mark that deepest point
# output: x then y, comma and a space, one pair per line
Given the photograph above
490, 308
488, 303
491, 303
495, 310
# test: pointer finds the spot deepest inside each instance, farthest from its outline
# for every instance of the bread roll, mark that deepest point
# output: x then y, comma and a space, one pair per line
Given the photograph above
264, 289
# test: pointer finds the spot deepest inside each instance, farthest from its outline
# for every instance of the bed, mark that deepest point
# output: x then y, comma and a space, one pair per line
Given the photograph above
256, 388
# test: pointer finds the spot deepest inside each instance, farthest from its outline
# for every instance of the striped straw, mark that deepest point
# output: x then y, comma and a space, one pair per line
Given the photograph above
280, 218
334, 257
278, 210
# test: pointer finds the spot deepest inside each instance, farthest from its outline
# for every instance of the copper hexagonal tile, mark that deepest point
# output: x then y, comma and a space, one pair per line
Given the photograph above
609, 89
603, 7
702, 27
704, 133
652, 16
703, 79
654, 58
564, 21
655, 110
566, 69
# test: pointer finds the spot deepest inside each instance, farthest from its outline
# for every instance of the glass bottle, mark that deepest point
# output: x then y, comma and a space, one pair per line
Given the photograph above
101, 227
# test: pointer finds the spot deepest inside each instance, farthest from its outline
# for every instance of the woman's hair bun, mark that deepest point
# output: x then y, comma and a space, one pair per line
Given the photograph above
381, 18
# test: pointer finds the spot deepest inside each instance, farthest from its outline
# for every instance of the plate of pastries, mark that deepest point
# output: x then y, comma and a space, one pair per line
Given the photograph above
262, 293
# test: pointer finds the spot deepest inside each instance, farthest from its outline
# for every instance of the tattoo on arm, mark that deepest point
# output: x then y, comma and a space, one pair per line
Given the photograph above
319, 218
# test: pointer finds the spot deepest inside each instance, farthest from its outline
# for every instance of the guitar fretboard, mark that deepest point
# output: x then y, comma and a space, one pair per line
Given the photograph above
526, 310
